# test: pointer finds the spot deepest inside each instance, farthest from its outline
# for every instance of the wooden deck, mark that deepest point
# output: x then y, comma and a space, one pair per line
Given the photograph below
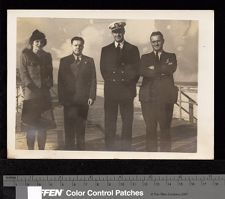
184, 134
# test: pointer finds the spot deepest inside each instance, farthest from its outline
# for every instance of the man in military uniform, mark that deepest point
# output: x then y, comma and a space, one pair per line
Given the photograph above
119, 66
158, 93
76, 91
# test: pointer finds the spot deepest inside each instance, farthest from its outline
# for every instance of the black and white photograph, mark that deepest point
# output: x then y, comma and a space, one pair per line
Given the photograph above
107, 84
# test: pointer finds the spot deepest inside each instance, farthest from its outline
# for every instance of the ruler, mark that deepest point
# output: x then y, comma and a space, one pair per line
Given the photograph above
121, 186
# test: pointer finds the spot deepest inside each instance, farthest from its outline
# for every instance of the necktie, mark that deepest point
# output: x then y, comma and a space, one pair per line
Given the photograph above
77, 60
118, 52
118, 46
157, 61
118, 49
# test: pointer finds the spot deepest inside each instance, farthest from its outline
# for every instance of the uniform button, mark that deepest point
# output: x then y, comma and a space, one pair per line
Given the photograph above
114, 80
114, 72
122, 71
122, 80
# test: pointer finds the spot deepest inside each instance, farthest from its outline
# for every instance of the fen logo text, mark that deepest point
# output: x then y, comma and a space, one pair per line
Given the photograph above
117, 192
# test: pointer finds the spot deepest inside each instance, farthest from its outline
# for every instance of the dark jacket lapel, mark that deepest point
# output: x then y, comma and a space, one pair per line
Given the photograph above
71, 65
163, 57
70, 59
113, 53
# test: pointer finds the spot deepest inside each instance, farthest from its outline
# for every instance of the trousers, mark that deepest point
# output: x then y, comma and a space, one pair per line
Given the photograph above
154, 114
126, 108
74, 124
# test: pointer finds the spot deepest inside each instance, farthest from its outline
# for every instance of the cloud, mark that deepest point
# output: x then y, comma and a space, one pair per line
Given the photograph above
63, 50
193, 28
93, 36
180, 37
145, 49
138, 31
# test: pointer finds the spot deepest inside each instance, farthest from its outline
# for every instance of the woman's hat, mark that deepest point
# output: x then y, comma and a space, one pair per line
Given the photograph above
37, 35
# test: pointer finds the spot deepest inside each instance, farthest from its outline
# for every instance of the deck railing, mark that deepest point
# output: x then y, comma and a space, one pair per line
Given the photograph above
19, 96
183, 98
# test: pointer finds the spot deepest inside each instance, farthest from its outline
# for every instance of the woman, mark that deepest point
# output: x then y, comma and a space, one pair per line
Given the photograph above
36, 74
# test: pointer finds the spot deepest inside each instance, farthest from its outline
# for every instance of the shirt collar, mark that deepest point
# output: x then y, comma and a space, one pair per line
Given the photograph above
159, 53
121, 44
77, 57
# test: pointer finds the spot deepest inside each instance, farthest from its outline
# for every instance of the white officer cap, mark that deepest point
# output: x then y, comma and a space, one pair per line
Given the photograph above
117, 25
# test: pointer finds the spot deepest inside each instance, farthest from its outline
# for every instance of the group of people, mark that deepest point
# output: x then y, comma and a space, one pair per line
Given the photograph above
121, 67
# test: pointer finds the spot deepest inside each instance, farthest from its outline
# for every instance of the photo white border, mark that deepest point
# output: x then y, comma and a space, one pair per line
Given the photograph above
205, 124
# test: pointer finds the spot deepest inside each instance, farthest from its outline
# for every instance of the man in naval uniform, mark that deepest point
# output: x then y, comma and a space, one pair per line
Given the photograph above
119, 66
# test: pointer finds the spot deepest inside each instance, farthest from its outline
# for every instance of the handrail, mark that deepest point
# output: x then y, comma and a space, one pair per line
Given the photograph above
186, 111
190, 111
18, 106
191, 102
187, 96
53, 91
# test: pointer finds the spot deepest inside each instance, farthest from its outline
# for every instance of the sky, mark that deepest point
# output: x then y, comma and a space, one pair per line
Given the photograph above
181, 38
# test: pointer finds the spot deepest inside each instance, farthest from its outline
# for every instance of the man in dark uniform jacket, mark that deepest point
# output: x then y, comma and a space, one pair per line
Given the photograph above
76, 91
158, 93
119, 66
